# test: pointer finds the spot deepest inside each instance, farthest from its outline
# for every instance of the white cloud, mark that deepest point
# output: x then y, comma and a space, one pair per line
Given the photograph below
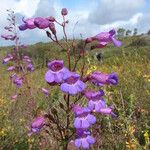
26, 7
108, 11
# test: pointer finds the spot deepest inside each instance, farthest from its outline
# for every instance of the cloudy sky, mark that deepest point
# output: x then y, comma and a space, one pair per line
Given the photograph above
86, 17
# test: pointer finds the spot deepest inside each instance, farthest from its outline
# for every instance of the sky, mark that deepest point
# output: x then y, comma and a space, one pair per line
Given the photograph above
86, 17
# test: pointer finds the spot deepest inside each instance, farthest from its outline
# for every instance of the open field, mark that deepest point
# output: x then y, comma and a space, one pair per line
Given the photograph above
131, 98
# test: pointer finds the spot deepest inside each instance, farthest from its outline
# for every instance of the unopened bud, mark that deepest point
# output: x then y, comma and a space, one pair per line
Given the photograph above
64, 11
52, 27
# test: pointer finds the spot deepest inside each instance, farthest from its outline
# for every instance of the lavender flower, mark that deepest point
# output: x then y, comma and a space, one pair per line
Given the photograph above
41, 23
106, 37
7, 58
100, 79
93, 95
8, 37
56, 71
83, 139
11, 68
18, 81
37, 124
30, 67
28, 24
83, 117
23, 27
72, 84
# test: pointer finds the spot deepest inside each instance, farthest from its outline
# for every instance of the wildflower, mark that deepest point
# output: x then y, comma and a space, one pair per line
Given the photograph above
30, 67
51, 19
8, 37
106, 37
99, 79
41, 23
7, 58
56, 71
93, 95
23, 27
37, 124
83, 139
18, 81
11, 68
83, 117
64, 11
52, 27
28, 24
45, 91
72, 84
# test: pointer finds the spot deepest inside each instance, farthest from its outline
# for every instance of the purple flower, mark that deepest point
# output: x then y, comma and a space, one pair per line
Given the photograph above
83, 117
56, 71
45, 91
100, 79
84, 139
51, 19
28, 24
41, 23
72, 84
8, 37
52, 27
7, 58
23, 27
37, 124
18, 81
96, 105
93, 95
11, 68
64, 11
30, 67
107, 37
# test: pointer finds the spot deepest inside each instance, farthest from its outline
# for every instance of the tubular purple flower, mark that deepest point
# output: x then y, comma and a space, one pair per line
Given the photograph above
52, 27
18, 81
11, 68
7, 58
100, 79
29, 23
37, 124
45, 91
107, 37
83, 117
93, 95
41, 23
8, 37
64, 11
84, 139
30, 67
23, 27
72, 84
56, 72
51, 19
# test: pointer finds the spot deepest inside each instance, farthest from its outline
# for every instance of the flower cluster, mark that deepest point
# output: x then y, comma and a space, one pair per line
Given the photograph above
21, 62
73, 85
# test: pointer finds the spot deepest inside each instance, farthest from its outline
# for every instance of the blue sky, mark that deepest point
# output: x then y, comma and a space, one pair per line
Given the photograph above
93, 16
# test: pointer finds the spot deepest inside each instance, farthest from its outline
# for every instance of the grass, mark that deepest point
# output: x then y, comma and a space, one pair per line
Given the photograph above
130, 98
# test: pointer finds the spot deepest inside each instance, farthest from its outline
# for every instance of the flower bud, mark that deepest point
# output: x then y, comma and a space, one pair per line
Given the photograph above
52, 19
52, 27
64, 11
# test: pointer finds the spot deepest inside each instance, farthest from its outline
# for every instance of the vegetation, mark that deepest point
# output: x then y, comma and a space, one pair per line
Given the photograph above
130, 130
